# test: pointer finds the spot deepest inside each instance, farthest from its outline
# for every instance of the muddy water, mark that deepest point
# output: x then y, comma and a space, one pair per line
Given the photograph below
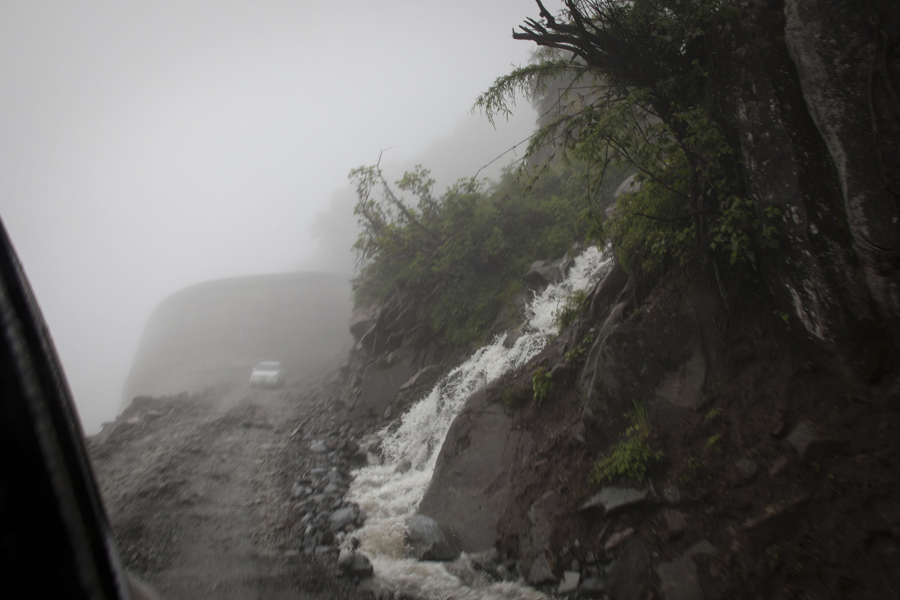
391, 494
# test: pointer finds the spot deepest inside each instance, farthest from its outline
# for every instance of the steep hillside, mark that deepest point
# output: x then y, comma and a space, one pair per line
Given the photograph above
716, 418
744, 462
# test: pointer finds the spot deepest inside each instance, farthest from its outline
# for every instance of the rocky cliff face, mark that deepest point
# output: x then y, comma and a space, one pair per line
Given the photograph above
769, 461
769, 407
810, 96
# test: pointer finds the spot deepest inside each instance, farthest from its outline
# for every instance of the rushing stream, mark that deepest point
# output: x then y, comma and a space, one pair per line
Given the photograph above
390, 495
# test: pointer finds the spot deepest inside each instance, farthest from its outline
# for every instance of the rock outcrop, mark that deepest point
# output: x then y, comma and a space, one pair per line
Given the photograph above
216, 332
809, 94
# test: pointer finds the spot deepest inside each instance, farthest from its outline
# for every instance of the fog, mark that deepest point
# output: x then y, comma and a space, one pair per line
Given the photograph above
149, 146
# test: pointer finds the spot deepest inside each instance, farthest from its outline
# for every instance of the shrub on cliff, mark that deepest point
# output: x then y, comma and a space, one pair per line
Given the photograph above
461, 254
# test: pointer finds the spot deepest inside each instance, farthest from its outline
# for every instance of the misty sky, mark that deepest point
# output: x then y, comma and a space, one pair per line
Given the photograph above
149, 145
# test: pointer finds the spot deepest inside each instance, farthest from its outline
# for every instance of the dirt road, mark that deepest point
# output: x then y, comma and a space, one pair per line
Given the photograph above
201, 493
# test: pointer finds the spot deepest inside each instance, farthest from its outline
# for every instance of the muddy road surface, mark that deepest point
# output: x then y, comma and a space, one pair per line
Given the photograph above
203, 496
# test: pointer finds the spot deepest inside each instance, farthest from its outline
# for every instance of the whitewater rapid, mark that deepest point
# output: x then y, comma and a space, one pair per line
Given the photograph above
390, 495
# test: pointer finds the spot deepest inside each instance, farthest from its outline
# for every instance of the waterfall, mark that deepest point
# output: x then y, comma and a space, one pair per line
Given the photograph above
390, 493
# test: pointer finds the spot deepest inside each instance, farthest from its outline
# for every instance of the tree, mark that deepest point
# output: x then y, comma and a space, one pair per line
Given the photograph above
462, 254
652, 111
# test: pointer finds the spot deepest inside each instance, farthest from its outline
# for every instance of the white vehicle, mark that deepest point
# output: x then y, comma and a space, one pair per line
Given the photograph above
268, 374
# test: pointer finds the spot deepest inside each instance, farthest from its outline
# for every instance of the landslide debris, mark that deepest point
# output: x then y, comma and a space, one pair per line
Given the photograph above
232, 493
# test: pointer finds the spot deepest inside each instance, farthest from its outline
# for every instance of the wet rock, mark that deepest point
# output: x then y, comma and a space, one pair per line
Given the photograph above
381, 382
362, 320
779, 423
428, 540
540, 571
684, 387
420, 375
676, 522
335, 476
777, 514
629, 576
543, 272
350, 447
475, 468
745, 469
540, 516
343, 517
592, 587
811, 444
617, 539
778, 466
355, 564
569, 582
672, 495
612, 499
678, 579
560, 372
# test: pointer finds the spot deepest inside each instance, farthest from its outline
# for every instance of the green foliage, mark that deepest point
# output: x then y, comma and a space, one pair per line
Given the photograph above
632, 457
691, 467
580, 351
713, 415
639, 99
773, 555
786, 318
542, 383
463, 253
740, 230
714, 444
568, 312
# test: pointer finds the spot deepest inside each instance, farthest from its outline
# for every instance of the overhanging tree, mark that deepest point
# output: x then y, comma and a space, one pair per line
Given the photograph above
651, 110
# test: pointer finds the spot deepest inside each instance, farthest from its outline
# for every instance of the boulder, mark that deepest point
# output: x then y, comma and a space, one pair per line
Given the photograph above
540, 571
612, 499
617, 539
629, 577
540, 516
811, 444
569, 582
428, 541
543, 272
381, 382
343, 517
473, 473
355, 564
362, 320
678, 579
676, 523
